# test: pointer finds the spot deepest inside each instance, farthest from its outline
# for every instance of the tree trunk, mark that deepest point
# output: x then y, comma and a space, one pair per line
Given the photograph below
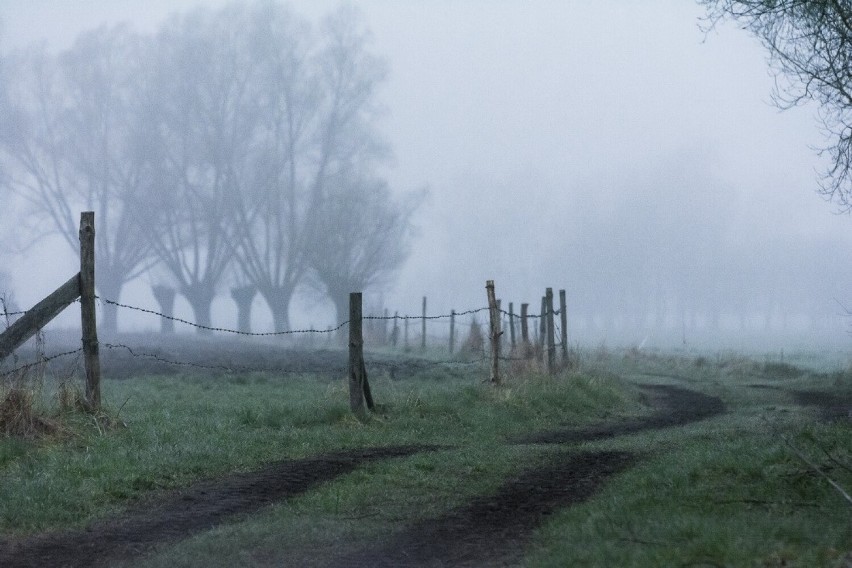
341, 310
109, 289
244, 296
165, 296
200, 297
278, 299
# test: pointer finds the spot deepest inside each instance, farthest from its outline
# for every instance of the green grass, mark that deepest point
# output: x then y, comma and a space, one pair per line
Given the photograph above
728, 491
180, 429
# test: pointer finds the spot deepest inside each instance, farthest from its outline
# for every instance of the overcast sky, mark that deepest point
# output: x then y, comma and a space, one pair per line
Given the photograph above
525, 118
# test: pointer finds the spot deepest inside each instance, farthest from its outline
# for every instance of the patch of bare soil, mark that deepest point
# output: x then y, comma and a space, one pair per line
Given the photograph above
179, 514
675, 406
492, 530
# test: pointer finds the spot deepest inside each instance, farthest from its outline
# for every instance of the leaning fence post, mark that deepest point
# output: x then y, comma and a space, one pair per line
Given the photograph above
495, 332
551, 340
359, 387
87, 310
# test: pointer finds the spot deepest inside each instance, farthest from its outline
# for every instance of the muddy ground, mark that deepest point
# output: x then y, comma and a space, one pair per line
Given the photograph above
491, 529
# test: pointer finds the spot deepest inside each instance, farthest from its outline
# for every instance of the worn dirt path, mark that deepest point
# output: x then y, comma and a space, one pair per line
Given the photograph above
179, 514
490, 530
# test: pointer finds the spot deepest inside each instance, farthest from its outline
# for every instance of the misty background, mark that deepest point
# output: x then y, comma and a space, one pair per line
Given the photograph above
612, 149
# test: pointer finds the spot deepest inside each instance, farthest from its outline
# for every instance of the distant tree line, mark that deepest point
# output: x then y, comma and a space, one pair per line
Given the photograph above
238, 144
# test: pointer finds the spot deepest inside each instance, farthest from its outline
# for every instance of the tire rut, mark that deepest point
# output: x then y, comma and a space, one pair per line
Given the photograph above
676, 406
179, 514
492, 530
489, 530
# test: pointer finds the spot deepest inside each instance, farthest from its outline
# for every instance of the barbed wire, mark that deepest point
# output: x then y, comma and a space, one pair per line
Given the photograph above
7, 314
134, 352
41, 361
394, 317
224, 329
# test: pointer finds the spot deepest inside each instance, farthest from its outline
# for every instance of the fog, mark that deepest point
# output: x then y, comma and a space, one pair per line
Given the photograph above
611, 149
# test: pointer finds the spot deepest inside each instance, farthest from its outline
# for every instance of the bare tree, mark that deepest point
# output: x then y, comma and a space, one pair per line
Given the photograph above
810, 48
363, 238
204, 111
68, 136
318, 121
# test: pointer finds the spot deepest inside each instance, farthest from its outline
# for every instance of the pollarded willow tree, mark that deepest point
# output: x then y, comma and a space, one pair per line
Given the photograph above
319, 110
363, 236
810, 49
203, 106
209, 147
253, 112
68, 142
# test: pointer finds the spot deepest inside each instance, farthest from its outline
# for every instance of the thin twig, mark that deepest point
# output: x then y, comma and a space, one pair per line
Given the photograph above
810, 463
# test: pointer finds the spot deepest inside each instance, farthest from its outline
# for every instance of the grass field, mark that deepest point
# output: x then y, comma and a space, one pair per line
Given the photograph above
731, 490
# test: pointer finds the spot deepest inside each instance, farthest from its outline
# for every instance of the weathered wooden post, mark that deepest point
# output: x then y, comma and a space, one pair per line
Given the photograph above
511, 327
395, 332
542, 326
452, 331
385, 327
359, 386
551, 340
87, 310
405, 346
423, 328
563, 318
494, 312
525, 330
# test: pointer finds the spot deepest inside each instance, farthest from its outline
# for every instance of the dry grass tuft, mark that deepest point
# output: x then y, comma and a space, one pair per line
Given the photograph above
20, 419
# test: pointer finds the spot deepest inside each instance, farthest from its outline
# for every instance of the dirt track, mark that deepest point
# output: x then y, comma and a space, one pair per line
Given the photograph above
491, 529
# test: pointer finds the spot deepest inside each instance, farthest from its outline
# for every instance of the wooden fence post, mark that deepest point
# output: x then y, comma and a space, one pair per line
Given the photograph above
495, 332
87, 310
405, 346
563, 318
385, 327
423, 327
551, 340
542, 325
511, 327
525, 330
359, 386
395, 332
452, 331
500, 316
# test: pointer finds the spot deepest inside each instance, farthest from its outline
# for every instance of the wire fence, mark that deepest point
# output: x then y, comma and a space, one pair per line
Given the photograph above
411, 360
